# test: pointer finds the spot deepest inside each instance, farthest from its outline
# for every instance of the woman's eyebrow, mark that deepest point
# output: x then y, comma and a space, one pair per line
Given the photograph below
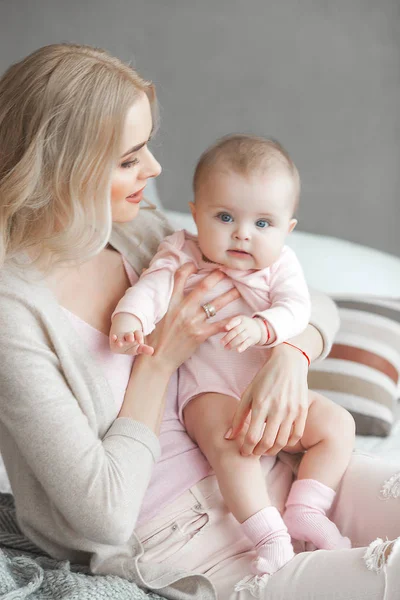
134, 149
139, 146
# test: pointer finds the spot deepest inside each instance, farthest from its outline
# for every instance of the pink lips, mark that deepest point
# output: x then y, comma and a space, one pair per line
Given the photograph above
239, 253
136, 197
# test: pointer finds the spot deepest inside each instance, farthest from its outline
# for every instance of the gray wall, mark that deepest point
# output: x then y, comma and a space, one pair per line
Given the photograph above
323, 77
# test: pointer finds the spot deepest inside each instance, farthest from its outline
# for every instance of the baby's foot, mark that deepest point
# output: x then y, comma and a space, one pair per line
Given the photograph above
273, 555
270, 537
310, 525
305, 516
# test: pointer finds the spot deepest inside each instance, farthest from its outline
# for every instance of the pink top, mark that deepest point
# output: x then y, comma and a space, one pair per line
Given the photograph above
181, 464
278, 293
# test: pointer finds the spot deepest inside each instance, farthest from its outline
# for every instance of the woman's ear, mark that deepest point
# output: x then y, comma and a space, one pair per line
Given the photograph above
292, 225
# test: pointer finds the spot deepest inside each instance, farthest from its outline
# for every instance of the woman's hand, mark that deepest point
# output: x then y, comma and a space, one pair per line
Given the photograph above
185, 325
277, 398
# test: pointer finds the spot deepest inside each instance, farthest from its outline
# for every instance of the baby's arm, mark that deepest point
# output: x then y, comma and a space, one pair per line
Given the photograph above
146, 302
127, 337
290, 309
287, 316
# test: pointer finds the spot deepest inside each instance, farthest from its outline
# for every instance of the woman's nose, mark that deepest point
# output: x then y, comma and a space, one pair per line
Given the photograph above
151, 166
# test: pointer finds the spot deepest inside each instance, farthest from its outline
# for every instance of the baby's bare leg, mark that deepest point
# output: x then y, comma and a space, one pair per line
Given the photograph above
242, 484
329, 437
328, 440
207, 418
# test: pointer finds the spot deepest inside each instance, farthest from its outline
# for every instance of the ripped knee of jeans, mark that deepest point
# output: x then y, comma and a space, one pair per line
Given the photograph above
379, 554
255, 584
391, 487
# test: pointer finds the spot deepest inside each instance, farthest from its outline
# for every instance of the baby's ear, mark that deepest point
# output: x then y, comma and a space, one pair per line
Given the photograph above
192, 207
292, 225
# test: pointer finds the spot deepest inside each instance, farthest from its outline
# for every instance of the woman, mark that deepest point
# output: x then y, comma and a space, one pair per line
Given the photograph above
80, 430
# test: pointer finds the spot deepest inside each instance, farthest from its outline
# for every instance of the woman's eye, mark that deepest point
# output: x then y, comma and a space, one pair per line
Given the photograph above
262, 223
129, 163
225, 218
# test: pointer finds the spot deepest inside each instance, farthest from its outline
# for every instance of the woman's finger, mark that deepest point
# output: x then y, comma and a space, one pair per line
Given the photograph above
269, 436
298, 427
281, 439
223, 300
239, 418
254, 432
201, 289
180, 277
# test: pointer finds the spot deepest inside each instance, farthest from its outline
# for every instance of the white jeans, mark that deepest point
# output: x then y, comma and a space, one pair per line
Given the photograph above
197, 533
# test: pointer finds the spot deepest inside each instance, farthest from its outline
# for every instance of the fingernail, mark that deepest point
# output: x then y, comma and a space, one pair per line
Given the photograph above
228, 434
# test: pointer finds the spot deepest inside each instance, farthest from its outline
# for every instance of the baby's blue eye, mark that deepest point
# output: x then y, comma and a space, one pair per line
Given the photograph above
225, 217
262, 223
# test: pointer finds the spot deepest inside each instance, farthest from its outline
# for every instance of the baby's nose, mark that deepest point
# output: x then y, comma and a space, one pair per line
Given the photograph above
242, 233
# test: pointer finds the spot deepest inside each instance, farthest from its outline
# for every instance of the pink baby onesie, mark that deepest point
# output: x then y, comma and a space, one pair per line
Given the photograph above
278, 293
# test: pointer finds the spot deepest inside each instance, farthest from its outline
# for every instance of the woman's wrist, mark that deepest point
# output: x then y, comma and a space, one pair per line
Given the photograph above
306, 347
144, 399
309, 341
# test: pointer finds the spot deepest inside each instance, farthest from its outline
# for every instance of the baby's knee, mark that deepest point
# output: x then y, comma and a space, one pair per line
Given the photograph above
342, 427
334, 422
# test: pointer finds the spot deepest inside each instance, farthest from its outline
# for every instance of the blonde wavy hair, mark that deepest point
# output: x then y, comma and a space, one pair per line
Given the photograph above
62, 113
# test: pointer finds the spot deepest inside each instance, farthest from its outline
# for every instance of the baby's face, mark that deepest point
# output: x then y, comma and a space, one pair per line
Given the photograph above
243, 221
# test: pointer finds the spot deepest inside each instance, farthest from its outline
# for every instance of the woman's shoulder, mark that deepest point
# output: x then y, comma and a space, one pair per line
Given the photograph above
25, 307
139, 239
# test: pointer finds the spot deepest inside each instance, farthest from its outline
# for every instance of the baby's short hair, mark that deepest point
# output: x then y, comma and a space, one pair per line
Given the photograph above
246, 155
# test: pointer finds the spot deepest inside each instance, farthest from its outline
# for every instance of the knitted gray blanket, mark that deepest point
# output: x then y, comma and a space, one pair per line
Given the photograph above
25, 572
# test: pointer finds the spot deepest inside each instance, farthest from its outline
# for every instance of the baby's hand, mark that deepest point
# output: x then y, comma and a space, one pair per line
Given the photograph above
243, 332
126, 336
131, 342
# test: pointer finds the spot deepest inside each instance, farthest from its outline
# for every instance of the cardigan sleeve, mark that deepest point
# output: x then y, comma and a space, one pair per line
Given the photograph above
325, 318
50, 438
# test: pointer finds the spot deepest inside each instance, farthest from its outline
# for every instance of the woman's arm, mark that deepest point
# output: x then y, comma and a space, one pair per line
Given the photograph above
279, 391
53, 415
175, 338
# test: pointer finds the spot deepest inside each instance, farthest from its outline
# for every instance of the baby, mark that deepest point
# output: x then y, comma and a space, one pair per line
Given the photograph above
246, 190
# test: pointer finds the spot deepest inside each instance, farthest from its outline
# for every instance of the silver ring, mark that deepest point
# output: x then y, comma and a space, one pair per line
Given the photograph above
209, 309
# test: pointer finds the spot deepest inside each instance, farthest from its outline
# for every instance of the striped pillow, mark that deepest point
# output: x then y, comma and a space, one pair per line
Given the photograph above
362, 371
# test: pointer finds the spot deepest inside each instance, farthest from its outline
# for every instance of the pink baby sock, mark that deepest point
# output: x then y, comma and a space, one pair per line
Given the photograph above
305, 515
269, 535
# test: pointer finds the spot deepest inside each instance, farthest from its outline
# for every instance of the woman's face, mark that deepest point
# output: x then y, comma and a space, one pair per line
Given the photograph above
136, 165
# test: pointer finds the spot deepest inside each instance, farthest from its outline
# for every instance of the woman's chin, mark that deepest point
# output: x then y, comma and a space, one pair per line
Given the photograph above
126, 214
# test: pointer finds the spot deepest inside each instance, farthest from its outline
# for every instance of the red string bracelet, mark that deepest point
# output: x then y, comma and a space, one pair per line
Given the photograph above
300, 350
266, 327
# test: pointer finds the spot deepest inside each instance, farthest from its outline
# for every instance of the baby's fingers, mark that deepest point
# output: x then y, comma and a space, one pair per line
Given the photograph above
245, 345
145, 349
234, 322
138, 336
237, 341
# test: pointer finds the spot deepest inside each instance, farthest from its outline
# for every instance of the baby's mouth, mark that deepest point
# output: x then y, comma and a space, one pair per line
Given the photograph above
237, 252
